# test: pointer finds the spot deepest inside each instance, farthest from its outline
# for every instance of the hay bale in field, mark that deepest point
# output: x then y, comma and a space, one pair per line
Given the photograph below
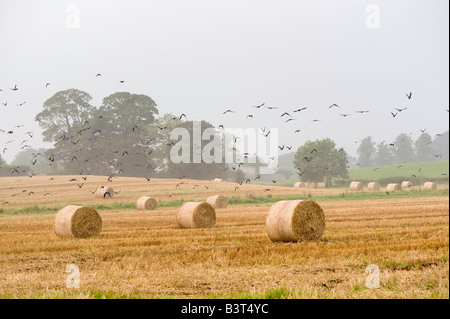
406, 185
217, 180
104, 192
356, 186
321, 185
374, 186
393, 187
310, 185
295, 220
430, 186
147, 203
299, 185
196, 215
78, 222
218, 201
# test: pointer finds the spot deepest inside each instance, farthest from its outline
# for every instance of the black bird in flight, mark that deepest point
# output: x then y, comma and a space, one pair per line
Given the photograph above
286, 113
98, 74
228, 111
394, 115
344, 115
361, 112
15, 88
409, 96
334, 105
401, 110
271, 107
47, 85
302, 109
258, 106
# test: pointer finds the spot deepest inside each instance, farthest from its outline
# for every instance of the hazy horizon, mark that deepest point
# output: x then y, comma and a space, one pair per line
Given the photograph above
204, 57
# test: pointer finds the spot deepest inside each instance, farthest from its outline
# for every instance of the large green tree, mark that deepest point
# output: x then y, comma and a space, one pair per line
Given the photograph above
366, 152
65, 121
122, 139
321, 161
110, 140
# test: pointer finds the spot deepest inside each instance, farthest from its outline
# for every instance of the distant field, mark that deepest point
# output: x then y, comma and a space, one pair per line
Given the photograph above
424, 170
143, 254
428, 170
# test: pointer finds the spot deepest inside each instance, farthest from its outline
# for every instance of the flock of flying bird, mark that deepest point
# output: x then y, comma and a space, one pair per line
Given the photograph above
74, 140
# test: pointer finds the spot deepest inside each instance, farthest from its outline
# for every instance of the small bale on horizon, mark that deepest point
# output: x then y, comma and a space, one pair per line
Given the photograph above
374, 186
321, 185
299, 185
430, 186
406, 185
356, 186
104, 192
394, 187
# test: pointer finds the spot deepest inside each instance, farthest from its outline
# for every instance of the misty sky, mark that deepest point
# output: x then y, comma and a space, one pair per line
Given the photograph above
202, 57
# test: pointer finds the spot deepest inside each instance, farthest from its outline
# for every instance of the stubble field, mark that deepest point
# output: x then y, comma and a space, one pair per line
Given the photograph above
143, 254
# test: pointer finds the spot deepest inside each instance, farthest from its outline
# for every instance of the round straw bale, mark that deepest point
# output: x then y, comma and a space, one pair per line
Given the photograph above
321, 185
393, 187
78, 222
299, 185
296, 220
356, 186
104, 192
218, 180
147, 203
310, 185
196, 215
218, 201
406, 185
374, 186
430, 186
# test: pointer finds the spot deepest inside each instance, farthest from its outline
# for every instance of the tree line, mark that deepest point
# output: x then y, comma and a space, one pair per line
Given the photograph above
403, 150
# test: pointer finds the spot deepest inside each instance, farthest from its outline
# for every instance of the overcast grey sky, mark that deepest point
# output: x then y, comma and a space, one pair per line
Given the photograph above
201, 57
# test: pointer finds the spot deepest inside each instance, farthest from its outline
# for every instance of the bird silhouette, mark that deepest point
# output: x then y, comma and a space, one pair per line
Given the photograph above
409, 95
259, 106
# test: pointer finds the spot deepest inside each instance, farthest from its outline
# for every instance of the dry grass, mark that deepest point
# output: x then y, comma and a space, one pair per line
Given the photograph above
145, 254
